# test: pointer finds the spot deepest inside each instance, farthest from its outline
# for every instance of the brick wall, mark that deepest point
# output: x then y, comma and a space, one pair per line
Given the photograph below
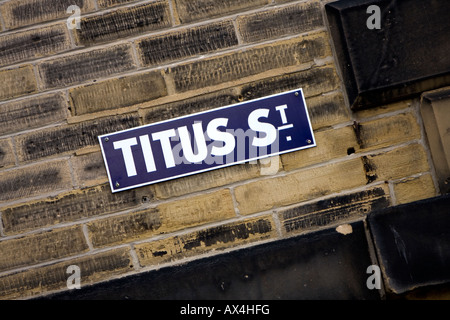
138, 62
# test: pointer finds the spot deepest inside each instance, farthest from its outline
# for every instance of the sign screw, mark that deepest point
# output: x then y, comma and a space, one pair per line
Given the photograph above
106, 139
308, 141
296, 94
117, 184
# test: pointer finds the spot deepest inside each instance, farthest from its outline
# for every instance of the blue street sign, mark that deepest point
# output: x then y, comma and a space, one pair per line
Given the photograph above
207, 140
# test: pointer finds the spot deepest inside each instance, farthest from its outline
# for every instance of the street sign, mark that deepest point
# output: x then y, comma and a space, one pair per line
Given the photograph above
207, 140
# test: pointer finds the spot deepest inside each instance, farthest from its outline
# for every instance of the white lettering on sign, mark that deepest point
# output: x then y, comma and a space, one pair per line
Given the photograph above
201, 153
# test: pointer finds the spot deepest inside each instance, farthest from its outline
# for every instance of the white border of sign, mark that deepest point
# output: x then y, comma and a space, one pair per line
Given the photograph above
313, 144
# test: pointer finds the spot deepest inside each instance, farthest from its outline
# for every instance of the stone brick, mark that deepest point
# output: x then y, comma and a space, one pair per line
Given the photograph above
334, 210
17, 82
47, 142
124, 22
167, 217
7, 158
327, 110
414, 189
124, 228
383, 109
206, 180
191, 10
90, 65
300, 186
211, 239
117, 93
245, 63
112, 3
387, 131
20, 13
45, 246
331, 144
278, 22
33, 180
41, 280
33, 44
70, 206
187, 42
32, 112
399, 163
89, 169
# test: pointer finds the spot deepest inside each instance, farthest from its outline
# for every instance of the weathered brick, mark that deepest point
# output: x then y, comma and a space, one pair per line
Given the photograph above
124, 22
371, 112
41, 280
32, 44
112, 3
278, 22
45, 246
206, 180
33, 180
266, 194
327, 110
84, 66
199, 242
33, 112
191, 105
414, 189
20, 13
89, 169
68, 138
187, 42
70, 206
324, 111
7, 158
117, 93
244, 63
17, 82
165, 218
387, 131
334, 210
398, 163
313, 81
191, 10
331, 144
